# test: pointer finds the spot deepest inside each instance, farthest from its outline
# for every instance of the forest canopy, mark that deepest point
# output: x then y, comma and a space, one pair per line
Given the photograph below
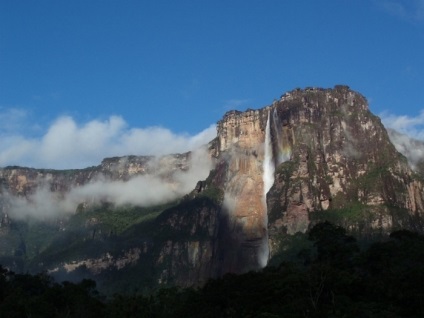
335, 278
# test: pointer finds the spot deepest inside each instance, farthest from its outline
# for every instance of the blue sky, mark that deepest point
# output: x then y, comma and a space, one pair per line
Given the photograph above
82, 80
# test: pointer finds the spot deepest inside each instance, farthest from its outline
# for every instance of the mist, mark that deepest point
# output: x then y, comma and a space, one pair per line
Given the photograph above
411, 148
407, 135
141, 190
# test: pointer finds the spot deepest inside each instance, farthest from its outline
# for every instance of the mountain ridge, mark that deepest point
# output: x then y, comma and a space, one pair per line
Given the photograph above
315, 154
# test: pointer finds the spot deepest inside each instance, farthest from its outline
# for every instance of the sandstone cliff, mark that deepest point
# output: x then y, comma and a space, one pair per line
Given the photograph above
314, 154
24, 181
331, 159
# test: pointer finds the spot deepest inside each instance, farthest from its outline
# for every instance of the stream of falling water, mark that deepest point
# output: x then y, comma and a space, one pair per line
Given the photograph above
269, 166
268, 178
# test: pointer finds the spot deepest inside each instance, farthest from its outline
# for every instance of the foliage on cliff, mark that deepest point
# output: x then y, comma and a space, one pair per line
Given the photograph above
333, 161
334, 279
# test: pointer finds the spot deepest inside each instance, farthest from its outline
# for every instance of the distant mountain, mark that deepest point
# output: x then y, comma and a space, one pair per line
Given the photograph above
241, 203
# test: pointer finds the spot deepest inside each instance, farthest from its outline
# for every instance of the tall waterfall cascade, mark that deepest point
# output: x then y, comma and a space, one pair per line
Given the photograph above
268, 165
268, 179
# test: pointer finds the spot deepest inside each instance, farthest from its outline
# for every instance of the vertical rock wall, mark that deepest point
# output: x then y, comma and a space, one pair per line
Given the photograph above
241, 137
333, 160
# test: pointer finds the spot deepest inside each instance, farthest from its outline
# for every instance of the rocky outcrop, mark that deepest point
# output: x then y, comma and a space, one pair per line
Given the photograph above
342, 168
333, 160
39, 190
105, 262
314, 154
241, 138
21, 181
188, 235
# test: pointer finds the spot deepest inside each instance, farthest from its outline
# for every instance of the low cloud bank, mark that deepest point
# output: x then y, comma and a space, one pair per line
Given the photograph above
142, 190
407, 135
411, 126
411, 148
67, 144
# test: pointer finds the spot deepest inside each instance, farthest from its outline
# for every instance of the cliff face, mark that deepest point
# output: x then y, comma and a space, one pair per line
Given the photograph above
329, 158
39, 207
314, 154
341, 158
240, 144
21, 181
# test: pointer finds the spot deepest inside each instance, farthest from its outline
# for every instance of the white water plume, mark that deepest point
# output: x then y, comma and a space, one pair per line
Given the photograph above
268, 179
269, 166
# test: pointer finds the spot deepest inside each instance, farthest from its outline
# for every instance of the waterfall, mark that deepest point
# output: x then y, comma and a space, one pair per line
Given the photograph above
269, 166
268, 178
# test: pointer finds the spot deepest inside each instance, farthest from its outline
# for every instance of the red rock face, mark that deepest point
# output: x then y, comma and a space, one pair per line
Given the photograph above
331, 154
241, 138
24, 181
332, 158
342, 167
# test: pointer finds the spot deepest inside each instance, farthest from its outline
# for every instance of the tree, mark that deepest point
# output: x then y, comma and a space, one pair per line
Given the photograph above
333, 244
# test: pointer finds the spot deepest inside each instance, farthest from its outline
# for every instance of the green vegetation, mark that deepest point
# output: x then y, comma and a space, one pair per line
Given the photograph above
350, 214
372, 180
210, 190
92, 233
113, 219
36, 236
214, 193
23, 295
286, 168
189, 213
88, 234
289, 248
333, 278
284, 172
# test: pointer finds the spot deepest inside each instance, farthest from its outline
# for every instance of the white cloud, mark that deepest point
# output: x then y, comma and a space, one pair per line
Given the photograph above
407, 135
411, 148
141, 190
145, 190
411, 126
68, 144
408, 10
